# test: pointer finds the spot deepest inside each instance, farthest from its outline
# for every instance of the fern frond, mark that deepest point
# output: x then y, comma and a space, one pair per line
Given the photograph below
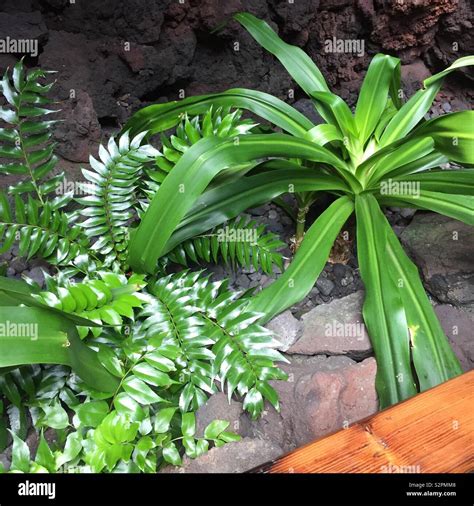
40, 230
216, 123
214, 338
220, 122
109, 208
26, 137
104, 300
241, 241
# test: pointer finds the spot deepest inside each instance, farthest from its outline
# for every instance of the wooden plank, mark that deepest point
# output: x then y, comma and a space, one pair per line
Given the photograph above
429, 433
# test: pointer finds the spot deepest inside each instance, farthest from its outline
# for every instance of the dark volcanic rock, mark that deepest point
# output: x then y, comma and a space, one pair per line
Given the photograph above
442, 248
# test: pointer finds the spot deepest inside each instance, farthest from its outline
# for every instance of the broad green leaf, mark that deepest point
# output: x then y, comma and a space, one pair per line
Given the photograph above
163, 420
54, 416
160, 117
413, 111
188, 424
44, 455
215, 428
298, 64
92, 413
459, 207
299, 278
457, 181
193, 173
227, 201
432, 356
453, 135
171, 454
20, 455
49, 339
140, 391
383, 309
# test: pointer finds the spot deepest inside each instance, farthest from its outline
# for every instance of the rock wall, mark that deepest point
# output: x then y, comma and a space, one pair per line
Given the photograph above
115, 56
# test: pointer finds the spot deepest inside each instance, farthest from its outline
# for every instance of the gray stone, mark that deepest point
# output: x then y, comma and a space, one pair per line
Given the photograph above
325, 286
259, 211
407, 212
18, 264
329, 401
322, 394
37, 275
236, 457
243, 281
458, 324
218, 408
273, 215
443, 248
335, 328
287, 329
346, 281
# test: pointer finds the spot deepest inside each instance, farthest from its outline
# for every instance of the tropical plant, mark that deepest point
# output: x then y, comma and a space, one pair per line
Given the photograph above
358, 158
115, 362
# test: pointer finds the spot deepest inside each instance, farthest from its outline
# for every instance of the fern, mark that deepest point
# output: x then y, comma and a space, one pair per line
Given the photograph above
241, 242
109, 207
40, 230
214, 337
104, 300
26, 143
219, 123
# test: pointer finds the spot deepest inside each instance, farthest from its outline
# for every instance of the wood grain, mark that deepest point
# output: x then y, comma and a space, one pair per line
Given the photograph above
429, 433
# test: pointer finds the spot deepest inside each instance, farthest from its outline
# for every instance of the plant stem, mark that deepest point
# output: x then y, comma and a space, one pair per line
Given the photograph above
300, 223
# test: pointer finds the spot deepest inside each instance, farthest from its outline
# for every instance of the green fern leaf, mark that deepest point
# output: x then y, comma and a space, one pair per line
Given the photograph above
40, 230
109, 208
106, 299
25, 140
241, 242
220, 122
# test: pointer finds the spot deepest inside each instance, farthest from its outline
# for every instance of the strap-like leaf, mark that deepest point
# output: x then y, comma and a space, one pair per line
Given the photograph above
413, 111
433, 358
459, 207
198, 166
383, 309
48, 338
299, 278
160, 117
453, 135
373, 94
298, 64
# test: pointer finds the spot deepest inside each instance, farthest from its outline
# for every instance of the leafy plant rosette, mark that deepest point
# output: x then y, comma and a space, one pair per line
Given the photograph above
385, 153
106, 365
